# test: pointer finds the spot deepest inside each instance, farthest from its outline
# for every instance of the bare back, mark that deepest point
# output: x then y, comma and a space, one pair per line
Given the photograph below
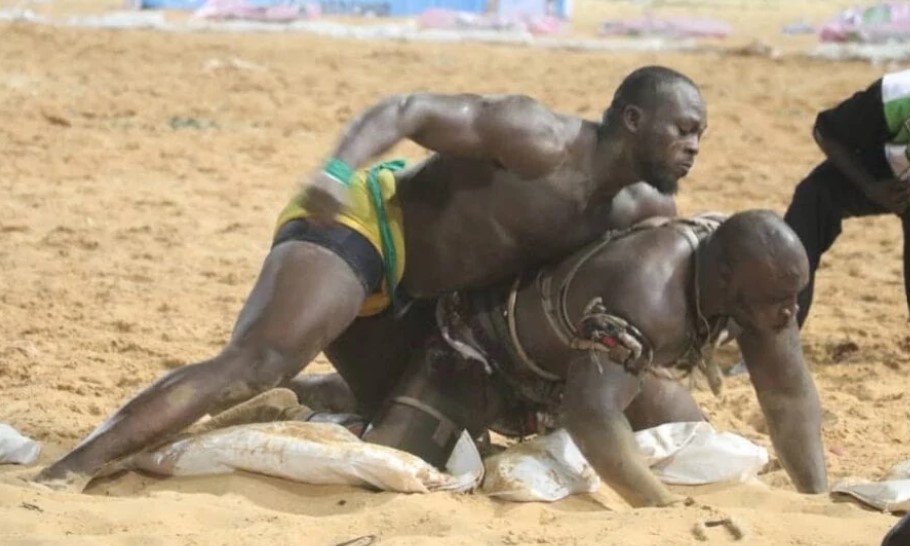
644, 278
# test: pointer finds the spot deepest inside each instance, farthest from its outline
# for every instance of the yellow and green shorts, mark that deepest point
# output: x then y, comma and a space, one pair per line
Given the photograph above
374, 215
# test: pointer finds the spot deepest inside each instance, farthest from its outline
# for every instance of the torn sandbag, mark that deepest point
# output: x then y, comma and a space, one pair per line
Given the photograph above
891, 494
694, 453
313, 453
548, 468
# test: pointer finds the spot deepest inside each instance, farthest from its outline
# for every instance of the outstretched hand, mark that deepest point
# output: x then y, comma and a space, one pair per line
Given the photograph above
325, 197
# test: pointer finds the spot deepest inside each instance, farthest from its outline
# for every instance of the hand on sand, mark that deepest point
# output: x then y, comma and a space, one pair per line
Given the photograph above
325, 198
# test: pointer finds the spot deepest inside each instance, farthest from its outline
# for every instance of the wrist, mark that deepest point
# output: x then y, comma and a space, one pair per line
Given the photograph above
339, 171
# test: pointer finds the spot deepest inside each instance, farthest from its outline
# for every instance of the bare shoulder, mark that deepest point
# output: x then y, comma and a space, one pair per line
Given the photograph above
532, 115
645, 281
526, 135
517, 131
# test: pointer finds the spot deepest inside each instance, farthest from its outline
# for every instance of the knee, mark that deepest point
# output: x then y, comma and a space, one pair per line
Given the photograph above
258, 367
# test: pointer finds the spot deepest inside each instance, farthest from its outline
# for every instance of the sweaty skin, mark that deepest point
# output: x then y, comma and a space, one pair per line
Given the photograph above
648, 279
510, 184
751, 270
388, 343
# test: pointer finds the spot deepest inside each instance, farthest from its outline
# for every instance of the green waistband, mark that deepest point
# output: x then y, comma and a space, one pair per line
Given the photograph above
389, 254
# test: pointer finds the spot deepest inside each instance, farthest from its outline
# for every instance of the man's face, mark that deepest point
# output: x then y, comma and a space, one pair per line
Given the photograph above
765, 295
669, 136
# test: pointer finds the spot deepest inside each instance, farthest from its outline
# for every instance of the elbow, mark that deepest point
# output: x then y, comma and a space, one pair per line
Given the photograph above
819, 132
403, 104
400, 111
817, 135
415, 113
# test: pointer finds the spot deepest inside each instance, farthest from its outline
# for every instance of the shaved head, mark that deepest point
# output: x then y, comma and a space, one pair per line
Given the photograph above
761, 239
644, 88
762, 267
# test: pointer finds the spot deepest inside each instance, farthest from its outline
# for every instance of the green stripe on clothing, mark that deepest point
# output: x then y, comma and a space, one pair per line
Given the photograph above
385, 232
896, 103
897, 112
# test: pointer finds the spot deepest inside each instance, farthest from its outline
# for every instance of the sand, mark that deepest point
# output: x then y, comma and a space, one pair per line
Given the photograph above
140, 177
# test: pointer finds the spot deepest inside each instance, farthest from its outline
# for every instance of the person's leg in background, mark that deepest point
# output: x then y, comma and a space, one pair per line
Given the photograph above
820, 203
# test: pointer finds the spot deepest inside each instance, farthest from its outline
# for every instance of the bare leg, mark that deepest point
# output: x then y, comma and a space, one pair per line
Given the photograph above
662, 401
304, 297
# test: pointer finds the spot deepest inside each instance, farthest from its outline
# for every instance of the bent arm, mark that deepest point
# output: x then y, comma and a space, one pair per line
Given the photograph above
514, 130
844, 159
789, 402
597, 392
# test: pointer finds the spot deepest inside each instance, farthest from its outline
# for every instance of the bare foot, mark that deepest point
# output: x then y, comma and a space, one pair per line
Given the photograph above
70, 483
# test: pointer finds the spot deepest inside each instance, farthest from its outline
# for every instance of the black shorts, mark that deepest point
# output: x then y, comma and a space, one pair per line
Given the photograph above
352, 247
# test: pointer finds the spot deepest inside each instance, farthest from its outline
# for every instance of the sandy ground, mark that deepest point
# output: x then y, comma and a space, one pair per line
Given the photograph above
140, 176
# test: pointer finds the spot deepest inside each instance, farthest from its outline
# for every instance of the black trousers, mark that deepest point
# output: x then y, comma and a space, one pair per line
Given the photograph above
820, 204
899, 535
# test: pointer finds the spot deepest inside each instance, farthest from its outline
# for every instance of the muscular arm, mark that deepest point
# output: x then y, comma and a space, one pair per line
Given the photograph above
597, 392
789, 402
514, 130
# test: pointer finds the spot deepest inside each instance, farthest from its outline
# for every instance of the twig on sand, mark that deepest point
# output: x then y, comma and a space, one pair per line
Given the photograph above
736, 529
365, 540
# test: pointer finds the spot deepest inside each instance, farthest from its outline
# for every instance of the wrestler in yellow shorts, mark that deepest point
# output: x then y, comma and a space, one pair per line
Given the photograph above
374, 214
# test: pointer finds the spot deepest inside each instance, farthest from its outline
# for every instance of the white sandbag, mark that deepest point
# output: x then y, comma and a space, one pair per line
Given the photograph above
16, 448
892, 494
694, 453
551, 467
900, 471
546, 468
888, 496
314, 453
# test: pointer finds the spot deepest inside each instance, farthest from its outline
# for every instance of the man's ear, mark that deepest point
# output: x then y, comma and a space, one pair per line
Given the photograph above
632, 117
